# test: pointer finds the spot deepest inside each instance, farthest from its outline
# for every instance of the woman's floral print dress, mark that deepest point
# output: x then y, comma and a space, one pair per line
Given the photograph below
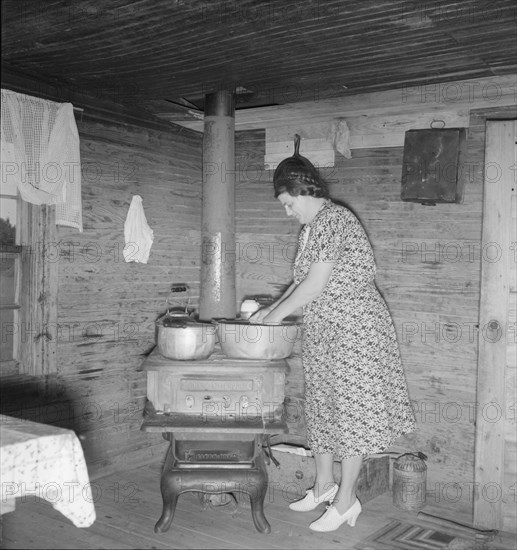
356, 398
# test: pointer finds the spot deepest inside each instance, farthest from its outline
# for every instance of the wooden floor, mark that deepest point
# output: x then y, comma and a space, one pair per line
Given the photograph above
128, 505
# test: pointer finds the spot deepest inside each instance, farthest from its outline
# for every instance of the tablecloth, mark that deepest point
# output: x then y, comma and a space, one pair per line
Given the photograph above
44, 462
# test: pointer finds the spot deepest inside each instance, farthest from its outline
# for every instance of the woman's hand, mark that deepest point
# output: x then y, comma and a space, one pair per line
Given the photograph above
258, 317
272, 318
265, 316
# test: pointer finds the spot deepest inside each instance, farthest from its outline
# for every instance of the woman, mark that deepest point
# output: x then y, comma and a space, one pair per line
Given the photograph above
356, 399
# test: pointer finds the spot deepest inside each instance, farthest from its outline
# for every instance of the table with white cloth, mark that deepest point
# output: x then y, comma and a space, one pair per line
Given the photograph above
42, 462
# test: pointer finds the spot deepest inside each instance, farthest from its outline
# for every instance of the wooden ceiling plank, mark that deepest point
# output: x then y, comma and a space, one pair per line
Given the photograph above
149, 50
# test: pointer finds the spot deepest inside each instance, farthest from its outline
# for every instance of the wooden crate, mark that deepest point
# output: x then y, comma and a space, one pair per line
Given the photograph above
295, 474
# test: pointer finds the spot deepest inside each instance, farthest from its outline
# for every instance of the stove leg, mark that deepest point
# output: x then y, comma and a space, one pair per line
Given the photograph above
170, 499
257, 512
170, 493
257, 497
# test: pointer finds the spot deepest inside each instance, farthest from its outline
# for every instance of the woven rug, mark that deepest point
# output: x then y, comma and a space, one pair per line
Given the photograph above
399, 535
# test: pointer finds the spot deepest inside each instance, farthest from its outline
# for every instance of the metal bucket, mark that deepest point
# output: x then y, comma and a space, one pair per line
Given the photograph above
409, 481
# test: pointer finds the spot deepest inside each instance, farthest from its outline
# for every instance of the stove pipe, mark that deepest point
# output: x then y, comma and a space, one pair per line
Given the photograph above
218, 255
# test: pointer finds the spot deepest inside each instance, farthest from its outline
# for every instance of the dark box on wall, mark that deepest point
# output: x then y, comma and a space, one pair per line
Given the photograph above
432, 167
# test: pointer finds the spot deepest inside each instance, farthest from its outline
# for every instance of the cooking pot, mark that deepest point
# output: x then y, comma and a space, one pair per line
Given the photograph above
244, 340
183, 338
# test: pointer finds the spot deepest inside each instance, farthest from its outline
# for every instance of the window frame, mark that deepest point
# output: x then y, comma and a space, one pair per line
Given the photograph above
37, 351
35, 308
13, 251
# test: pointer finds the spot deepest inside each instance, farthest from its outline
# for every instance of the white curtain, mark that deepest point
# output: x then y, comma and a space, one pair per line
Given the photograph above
40, 153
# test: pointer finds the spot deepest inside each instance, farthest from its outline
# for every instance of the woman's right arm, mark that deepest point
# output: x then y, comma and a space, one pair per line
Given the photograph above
261, 313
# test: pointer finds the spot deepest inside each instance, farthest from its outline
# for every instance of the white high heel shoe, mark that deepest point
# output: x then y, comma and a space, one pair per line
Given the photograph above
310, 502
332, 519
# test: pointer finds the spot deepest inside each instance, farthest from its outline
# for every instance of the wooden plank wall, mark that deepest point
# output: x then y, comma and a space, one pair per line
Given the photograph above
107, 307
428, 261
510, 464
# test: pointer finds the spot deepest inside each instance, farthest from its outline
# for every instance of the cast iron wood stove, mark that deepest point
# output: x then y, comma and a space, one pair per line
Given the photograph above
217, 414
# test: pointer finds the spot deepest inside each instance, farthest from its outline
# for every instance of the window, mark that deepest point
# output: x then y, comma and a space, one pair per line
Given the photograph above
28, 286
10, 274
40, 152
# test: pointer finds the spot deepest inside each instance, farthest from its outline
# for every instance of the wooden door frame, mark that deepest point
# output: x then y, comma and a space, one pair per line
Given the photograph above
499, 177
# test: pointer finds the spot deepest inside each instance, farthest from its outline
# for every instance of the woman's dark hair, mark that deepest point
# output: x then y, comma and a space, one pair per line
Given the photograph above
297, 175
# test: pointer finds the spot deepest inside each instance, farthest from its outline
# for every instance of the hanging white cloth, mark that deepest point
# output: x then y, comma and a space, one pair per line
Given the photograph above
40, 153
340, 137
137, 233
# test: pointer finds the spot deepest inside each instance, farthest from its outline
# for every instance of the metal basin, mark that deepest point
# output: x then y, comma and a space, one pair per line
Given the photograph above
185, 339
243, 340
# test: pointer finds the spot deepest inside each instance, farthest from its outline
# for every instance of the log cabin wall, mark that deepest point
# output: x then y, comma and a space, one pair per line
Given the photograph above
428, 269
107, 307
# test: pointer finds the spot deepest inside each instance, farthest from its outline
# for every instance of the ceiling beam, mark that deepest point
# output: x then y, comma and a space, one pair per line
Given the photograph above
460, 94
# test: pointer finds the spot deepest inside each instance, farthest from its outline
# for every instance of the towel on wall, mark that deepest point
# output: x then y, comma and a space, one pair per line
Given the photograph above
137, 233
340, 136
